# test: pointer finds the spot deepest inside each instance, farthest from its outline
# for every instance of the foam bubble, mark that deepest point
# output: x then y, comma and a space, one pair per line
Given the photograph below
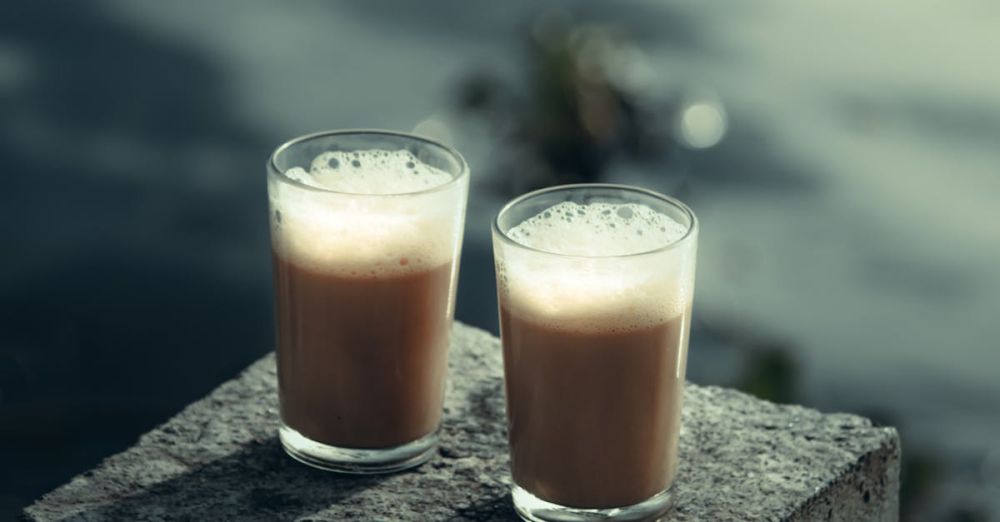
598, 229
349, 232
369, 172
597, 292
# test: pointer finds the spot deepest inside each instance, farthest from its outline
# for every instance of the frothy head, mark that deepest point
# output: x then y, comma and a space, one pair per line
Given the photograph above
598, 229
596, 283
369, 172
355, 225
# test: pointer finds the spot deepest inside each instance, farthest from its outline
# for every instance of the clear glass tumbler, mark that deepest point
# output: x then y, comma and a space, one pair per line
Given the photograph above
595, 285
366, 229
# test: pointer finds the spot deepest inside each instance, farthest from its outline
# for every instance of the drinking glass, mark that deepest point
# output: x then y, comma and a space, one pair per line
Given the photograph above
595, 285
366, 229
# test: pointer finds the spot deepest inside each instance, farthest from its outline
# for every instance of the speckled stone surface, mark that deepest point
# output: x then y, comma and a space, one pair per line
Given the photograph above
219, 459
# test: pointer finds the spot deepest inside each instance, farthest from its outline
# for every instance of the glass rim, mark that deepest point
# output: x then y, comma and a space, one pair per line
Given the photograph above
689, 233
462, 173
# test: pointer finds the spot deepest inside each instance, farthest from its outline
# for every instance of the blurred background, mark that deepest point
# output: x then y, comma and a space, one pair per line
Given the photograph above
844, 160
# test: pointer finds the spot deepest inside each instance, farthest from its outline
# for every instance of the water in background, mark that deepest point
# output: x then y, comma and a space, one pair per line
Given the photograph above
844, 161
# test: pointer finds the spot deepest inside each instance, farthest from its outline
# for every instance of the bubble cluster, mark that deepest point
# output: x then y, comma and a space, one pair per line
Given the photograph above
598, 229
369, 172
595, 291
343, 230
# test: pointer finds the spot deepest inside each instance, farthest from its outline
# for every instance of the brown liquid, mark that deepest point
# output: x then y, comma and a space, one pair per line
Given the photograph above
361, 360
593, 418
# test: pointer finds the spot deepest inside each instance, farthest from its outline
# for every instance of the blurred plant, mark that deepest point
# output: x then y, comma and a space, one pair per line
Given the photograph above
767, 365
770, 373
920, 476
589, 99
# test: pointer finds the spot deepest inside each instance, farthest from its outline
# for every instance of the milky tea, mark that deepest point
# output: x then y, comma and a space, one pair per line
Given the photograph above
595, 315
364, 248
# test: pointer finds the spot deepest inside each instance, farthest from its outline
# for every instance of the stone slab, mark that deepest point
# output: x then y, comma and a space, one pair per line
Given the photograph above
219, 459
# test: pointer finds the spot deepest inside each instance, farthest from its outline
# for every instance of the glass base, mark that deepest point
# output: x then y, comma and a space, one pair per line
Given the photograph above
357, 461
534, 509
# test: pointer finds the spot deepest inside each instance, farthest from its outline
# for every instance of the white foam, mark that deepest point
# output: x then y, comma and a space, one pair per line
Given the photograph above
353, 232
598, 229
596, 291
369, 172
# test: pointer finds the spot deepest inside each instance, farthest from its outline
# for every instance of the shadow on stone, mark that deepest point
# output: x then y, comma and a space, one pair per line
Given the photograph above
497, 508
258, 483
